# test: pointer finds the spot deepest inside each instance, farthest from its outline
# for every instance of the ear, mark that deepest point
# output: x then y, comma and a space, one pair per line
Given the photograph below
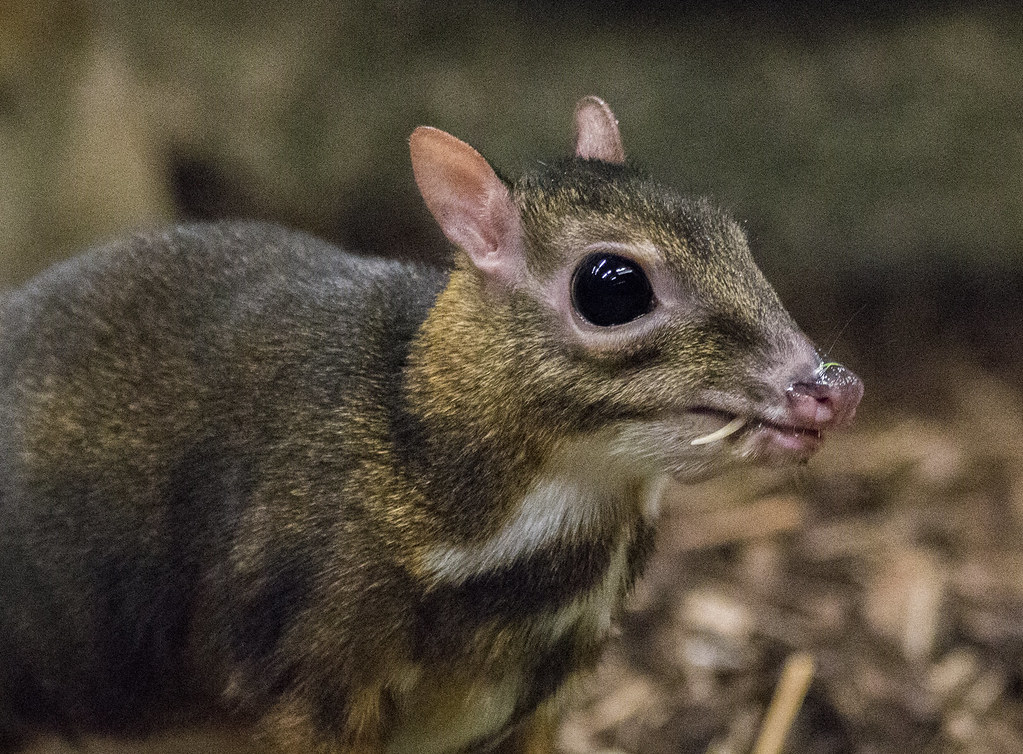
470, 203
596, 132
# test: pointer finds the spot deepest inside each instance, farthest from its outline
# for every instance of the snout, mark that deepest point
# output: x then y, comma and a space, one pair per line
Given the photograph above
827, 400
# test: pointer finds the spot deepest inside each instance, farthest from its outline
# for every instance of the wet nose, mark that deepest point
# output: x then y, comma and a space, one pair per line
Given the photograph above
828, 400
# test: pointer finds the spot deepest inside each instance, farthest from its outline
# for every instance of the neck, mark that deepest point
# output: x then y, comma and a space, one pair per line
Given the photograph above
470, 437
582, 497
497, 457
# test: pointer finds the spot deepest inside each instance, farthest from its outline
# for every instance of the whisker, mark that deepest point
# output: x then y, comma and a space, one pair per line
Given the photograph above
845, 327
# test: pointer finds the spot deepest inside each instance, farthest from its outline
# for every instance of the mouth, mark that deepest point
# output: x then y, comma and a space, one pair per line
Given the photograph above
766, 437
720, 434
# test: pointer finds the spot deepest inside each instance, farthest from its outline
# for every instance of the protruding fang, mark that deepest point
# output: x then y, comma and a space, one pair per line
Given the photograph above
731, 428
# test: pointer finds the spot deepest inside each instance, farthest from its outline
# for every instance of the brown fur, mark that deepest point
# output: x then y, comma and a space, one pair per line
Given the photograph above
354, 506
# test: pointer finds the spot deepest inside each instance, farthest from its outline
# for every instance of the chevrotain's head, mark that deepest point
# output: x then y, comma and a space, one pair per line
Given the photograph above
602, 302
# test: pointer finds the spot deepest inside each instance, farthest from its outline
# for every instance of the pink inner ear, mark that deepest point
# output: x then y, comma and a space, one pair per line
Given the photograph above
596, 132
469, 202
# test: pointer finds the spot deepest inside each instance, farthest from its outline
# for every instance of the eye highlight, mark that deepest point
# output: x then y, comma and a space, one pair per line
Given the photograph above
608, 290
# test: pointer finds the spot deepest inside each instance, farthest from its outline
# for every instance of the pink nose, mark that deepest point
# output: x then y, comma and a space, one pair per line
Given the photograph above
829, 400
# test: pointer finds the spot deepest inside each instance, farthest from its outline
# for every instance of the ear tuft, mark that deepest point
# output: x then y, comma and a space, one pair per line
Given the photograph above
467, 199
596, 132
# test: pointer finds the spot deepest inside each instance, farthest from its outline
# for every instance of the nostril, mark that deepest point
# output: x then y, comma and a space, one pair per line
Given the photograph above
837, 387
830, 398
818, 391
811, 404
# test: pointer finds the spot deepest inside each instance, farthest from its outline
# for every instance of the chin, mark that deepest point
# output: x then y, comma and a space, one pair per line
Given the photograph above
773, 445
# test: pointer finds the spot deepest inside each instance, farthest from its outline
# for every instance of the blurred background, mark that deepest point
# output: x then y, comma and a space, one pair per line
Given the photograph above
874, 153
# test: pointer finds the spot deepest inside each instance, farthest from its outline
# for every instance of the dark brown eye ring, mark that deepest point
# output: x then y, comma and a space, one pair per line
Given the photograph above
608, 290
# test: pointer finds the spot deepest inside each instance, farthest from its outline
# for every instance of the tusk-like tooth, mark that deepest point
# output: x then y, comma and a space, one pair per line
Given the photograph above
720, 434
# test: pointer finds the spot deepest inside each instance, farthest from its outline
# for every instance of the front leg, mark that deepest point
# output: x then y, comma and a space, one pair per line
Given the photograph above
537, 734
302, 726
367, 725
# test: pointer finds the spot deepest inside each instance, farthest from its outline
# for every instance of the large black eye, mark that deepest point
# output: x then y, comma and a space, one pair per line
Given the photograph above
610, 290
